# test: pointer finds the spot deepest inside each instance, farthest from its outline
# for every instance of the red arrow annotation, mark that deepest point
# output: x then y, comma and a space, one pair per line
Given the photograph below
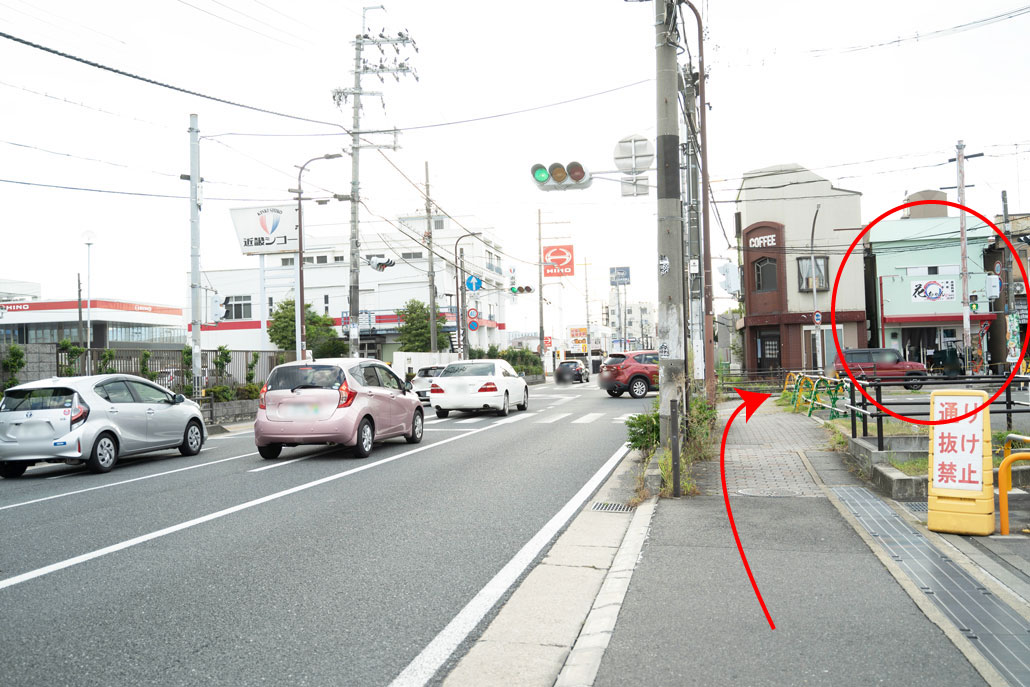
751, 402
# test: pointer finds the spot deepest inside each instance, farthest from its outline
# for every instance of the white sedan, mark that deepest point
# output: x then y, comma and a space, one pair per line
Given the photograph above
478, 385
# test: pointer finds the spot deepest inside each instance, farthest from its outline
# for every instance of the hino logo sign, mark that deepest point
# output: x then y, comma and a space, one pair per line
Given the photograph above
558, 261
15, 306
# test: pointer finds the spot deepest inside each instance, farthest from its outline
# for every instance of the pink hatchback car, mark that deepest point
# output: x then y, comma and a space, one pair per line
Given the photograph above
348, 401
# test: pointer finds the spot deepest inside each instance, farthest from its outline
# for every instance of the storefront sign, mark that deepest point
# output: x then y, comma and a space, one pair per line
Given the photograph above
269, 229
762, 241
933, 290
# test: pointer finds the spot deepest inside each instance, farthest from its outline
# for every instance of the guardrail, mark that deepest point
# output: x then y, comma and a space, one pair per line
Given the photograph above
1005, 476
864, 409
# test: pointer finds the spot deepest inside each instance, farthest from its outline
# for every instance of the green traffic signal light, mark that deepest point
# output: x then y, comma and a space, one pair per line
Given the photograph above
540, 174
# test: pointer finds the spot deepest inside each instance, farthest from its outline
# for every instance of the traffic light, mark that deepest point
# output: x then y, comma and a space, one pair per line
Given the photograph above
218, 308
559, 177
380, 264
521, 289
731, 278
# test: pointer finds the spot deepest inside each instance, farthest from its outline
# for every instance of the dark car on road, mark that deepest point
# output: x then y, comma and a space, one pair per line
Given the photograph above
633, 371
571, 371
884, 363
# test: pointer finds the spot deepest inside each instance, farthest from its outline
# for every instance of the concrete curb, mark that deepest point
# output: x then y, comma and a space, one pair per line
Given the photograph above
584, 660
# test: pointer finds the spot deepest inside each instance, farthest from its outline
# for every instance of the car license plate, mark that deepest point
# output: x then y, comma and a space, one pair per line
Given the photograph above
35, 430
299, 410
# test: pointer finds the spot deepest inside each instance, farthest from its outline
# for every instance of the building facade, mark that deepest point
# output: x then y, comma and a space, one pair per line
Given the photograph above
244, 313
782, 293
915, 281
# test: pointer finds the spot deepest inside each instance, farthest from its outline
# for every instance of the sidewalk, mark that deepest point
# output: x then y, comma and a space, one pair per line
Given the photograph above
844, 611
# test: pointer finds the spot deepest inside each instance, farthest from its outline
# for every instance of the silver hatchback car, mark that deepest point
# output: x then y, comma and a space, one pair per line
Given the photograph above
93, 420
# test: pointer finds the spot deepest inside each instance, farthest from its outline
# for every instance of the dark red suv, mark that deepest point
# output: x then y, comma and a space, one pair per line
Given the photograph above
633, 371
885, 363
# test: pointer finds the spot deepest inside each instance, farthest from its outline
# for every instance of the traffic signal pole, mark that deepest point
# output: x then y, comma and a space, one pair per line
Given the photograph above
670, 334
432, 276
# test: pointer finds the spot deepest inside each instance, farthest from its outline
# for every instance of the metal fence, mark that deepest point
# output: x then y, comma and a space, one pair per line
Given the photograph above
167, 363
762, 381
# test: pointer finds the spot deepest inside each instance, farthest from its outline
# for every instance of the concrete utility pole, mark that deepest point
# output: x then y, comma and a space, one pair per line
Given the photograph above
670, 335
586, 298
959, 157
340, 95
432, 276
540, 284
194, 250
706, 228
1010, 305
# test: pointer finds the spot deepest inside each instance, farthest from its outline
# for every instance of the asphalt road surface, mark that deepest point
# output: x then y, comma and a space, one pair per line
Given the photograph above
317, 568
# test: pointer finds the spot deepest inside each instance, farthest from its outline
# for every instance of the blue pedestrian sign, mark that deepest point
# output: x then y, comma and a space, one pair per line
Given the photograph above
473, 283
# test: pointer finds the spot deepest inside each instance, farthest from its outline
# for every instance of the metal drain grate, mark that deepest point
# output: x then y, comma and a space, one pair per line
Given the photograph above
1001, 634
917, 506
606, 507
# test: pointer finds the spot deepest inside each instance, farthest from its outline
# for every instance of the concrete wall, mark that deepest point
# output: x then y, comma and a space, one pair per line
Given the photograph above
40, 362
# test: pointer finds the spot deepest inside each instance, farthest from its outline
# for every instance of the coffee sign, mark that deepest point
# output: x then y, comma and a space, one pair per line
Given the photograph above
762, 241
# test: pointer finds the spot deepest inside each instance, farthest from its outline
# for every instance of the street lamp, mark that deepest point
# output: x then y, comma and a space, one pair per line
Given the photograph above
460, 299
88, 237
299, 307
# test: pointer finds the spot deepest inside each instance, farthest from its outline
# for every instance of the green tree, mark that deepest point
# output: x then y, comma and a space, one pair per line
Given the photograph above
12, 364
72, 354
281, 331
414, 329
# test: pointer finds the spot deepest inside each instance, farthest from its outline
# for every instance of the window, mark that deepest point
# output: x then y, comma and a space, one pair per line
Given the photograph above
309, 261
805, 273
438, 224
414, 255
237, 308
269, 304
287, 261
117, 392
339, 258
387, 378
931, 269
321, 259
325, 302
765, 274
149, 394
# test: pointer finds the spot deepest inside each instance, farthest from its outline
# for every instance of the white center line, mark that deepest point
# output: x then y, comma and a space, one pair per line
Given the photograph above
127, 481
438, 651
553, 418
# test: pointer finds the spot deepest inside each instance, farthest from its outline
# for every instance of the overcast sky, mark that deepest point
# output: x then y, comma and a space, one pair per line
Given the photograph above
872, 96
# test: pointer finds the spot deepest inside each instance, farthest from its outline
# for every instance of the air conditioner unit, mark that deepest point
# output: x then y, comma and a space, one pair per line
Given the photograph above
1019, 288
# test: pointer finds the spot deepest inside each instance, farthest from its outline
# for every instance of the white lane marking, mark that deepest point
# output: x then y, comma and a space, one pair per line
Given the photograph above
553, 418
470, 420
61, 565
433, 422
79, 472
509, 420
295, 460
563, 400
438, 651
127, 481
623, 418
445, 429
589, 417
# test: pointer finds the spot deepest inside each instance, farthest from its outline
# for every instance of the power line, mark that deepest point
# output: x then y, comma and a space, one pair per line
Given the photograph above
83, 105
236, 24
134, 193
161, 84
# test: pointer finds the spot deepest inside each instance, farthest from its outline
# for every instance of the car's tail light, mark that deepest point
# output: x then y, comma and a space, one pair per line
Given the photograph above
435, 389
261, 396
347, 395
79, 413
489, 386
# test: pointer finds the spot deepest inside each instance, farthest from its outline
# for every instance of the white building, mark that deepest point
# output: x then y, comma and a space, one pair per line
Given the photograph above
639, 319
382, 294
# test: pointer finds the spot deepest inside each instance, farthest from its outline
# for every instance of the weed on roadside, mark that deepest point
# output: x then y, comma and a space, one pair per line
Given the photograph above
640, 492
687, 485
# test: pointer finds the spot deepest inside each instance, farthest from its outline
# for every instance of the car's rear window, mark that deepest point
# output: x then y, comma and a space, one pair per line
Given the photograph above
429, 371
615, 360
306, 376
568, 363
468, 370
48, 398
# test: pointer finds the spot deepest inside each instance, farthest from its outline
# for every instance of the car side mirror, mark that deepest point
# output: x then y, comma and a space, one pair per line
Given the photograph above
522, 374
407, 386
179, 398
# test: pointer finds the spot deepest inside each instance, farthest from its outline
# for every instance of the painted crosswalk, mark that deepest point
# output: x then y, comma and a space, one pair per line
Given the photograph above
540, 417
589, 417
552, 418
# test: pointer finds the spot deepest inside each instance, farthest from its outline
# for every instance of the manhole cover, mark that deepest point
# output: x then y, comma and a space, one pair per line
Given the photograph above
606, 507
768, 492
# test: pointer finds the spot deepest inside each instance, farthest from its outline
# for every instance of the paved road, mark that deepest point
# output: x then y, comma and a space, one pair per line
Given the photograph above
225, 568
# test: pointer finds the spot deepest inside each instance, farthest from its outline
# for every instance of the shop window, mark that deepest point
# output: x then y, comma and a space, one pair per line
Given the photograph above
805, 278
321, 259
287, 262
765, 274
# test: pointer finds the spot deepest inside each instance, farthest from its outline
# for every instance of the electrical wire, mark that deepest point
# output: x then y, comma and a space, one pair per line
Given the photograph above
161, 84
135, 193
83, 105
236, 24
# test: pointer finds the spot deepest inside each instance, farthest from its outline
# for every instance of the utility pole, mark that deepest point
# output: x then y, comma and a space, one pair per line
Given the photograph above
540, 284
959, 157
1010, 306
195, 249
432, 276
586, 297
815, 287
670, 334
340, 95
